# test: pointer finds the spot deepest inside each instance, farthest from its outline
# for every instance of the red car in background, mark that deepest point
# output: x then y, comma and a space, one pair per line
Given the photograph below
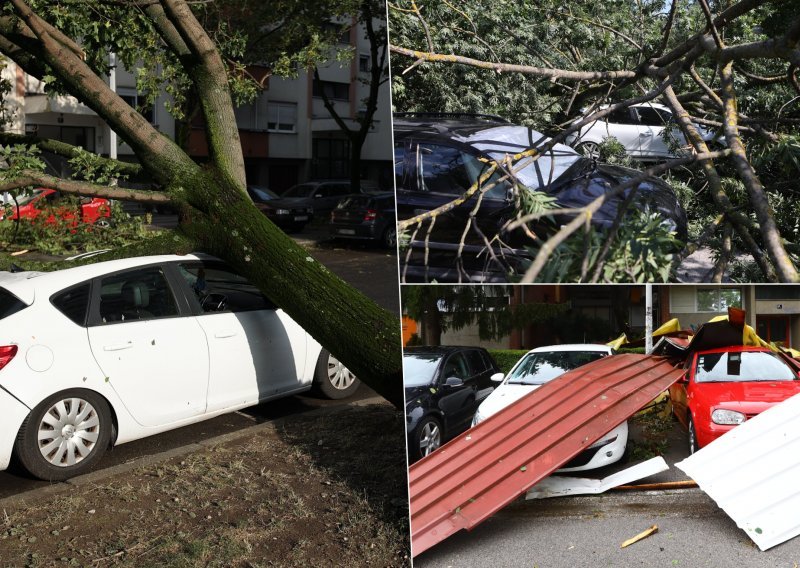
724, 387
92, 210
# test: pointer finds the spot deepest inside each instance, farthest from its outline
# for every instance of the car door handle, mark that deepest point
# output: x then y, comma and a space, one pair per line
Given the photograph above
645, 134
118, 347
224, 334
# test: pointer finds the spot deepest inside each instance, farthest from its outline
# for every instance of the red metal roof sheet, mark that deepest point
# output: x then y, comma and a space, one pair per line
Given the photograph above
481, 471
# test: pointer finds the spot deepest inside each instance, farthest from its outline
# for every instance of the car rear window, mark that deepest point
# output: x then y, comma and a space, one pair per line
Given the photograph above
355, 202
9, 304
73, 303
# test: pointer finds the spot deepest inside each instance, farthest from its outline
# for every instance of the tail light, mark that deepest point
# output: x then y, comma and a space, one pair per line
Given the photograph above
7, 353
370, 215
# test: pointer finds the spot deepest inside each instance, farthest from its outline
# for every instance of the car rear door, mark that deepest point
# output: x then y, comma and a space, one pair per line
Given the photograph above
651, 133
153, 353
256, 351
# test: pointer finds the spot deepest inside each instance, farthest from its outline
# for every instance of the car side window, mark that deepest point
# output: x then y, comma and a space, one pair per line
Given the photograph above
217, 288
621, 116
340, 190
444, 169
476, 362
650, 117
136, 295
399, 166
73, 303
456, 366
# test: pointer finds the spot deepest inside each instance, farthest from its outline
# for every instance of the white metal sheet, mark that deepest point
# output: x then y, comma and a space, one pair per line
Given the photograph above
753, 474
560, 486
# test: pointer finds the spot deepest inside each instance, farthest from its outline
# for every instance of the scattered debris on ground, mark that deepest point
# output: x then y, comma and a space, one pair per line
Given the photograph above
640, 536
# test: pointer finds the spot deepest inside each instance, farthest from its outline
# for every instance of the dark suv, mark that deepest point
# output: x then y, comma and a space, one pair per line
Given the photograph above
439, 156
444, 386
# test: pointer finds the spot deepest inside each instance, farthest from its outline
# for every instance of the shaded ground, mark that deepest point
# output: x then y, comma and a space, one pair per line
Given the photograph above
327, 489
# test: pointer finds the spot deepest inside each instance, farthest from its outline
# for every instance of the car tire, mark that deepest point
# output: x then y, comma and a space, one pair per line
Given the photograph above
103, 223
389, 238
44, 451
427, 437
589, 149
692, 437
332, 379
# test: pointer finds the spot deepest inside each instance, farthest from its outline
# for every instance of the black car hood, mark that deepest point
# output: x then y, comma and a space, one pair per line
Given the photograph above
417, 393
584, 182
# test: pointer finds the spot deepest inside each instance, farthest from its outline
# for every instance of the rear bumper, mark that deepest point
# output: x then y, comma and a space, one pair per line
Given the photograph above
12, 414
352, 231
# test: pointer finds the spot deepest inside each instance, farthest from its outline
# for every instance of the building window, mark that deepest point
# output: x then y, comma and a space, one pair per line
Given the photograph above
137, 101
282, 117
363, 63
332, 89
341, 31
330, 158
718, 299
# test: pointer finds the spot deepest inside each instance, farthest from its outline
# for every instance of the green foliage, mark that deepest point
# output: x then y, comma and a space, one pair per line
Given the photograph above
18, 158
93, 168
640, 254
507, 358
613, 152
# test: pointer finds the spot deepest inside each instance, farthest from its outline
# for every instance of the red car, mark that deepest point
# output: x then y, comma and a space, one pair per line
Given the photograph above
91, 210
726, 386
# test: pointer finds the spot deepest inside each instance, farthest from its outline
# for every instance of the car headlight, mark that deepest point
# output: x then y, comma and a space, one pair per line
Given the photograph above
281, 212
477, 419
723, 416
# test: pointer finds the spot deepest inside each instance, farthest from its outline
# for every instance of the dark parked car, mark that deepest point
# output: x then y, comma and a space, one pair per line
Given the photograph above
438, 157
321, 196
366, 217
443, 388
287, 214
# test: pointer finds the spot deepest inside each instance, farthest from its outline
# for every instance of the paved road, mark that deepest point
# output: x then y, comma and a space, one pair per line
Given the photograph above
587, 531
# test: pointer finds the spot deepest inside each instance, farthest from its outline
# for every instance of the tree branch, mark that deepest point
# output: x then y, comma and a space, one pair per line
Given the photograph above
33, 178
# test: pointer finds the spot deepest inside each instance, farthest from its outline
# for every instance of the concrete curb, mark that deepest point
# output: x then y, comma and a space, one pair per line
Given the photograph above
94, 477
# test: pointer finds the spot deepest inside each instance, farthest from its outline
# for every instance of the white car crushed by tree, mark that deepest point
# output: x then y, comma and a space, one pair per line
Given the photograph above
544, 364
647, 131
111, 352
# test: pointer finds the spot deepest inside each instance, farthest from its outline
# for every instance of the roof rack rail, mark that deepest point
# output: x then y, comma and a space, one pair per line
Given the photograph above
442, 115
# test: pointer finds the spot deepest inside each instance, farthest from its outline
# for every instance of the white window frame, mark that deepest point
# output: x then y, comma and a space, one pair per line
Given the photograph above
130, 92
278, 105
717, 289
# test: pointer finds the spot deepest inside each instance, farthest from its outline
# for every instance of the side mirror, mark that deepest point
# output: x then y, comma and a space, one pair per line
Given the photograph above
684, 378
453, 382
497, 377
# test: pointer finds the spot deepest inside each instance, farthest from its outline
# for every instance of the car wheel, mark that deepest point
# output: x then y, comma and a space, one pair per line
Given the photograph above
389, 239
428, 437
65, 435
103, 223
332, 379
692, 437
589, 149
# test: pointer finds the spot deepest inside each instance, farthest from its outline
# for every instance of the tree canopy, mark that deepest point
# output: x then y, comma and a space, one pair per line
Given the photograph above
729, 66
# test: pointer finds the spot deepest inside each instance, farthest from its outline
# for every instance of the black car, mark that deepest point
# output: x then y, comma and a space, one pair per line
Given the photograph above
443, 387
366, 217
286, 214
321, 196
438, 157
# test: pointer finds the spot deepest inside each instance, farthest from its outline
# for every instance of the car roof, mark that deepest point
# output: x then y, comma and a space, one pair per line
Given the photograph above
438, 124
573, 347
24, 285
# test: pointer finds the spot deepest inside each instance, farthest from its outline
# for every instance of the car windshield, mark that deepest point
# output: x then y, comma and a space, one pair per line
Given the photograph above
302, 190
419, 368
262, 193
732, 366
539, 368
9, 303
502, 141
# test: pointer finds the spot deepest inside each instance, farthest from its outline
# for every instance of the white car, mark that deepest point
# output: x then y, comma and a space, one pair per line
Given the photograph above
111, 352
639, 128
542, 365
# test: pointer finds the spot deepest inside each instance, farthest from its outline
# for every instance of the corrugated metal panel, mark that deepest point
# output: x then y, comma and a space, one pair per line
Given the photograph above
753, 473
479, 472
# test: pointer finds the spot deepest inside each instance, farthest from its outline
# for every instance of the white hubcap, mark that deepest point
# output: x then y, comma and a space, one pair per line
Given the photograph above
339, 375
68, 432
